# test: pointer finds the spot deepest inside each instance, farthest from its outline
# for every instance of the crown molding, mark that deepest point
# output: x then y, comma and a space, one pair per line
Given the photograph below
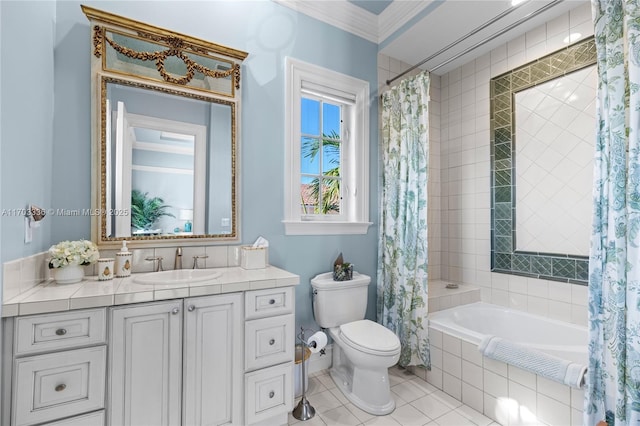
396, 15
340, 14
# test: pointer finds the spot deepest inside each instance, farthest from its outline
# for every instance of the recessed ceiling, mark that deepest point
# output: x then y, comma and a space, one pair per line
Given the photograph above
374, 6
414, 30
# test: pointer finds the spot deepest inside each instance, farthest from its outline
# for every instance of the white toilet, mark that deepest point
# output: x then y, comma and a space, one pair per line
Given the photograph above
363, 350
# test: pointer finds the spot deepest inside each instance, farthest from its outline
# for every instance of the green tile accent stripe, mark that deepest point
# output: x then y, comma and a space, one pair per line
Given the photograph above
502, 151
504, 244
503, 177
503, 228
521, 263
503, 164
541, 265
559, 267
503, 211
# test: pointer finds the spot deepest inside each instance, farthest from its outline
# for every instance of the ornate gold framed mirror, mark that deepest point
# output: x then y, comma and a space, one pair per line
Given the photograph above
165, 139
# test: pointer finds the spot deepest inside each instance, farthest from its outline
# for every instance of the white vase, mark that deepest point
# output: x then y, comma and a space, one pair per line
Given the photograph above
69, 274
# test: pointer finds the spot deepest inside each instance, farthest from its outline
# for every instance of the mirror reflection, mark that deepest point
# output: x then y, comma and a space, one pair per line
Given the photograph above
168, 163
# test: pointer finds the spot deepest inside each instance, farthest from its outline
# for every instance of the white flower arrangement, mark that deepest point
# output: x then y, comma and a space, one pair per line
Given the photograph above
80, 252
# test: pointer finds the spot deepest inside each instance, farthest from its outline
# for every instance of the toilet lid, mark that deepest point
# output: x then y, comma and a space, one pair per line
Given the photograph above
370, 337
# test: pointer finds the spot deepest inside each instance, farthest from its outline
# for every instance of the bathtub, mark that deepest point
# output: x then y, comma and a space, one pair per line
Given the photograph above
474, 321
506, 394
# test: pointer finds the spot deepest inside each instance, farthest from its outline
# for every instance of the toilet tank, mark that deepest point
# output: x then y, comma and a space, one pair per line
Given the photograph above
339, 302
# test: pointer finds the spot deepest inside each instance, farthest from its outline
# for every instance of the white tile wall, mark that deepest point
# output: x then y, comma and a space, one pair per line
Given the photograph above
554, 166
502, 392
21, 275
464, 166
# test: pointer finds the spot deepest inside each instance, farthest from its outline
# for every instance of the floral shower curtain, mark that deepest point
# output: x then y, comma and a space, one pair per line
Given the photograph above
402, 246
613, 391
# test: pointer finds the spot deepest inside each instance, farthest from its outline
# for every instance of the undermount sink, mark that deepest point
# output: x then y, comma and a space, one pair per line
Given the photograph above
179, 276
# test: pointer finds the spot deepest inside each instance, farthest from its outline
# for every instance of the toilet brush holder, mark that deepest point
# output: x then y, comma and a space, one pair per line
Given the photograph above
304, 410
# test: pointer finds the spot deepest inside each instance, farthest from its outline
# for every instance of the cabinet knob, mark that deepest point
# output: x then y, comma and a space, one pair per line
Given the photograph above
272, 301
61, 331
174, 311
272, 394
272, 341
61, 387
191, 308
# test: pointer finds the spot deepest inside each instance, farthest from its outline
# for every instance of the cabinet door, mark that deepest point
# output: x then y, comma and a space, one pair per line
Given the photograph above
213, 362
146, 364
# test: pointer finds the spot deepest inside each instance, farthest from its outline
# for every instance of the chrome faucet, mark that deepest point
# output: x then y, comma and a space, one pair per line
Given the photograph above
156, 266
195, 260
178, 262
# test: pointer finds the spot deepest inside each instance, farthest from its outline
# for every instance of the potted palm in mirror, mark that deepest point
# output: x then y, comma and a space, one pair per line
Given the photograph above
145, 212
68, 259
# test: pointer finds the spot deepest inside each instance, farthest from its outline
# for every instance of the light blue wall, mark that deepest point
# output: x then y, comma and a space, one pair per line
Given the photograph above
269, 32
26, 124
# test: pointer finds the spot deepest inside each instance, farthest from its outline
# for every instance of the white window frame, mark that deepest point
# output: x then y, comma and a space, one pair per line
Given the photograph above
301, 78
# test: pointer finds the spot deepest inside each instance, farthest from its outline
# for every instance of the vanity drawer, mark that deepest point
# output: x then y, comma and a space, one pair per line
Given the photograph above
268, 341
269, 302
268, 392
40, 333
91, 419
53, 386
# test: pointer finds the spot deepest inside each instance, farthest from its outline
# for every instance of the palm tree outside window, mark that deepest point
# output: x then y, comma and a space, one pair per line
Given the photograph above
321, 152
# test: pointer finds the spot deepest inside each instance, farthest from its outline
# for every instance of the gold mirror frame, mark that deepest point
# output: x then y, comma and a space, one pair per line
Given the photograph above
174, 46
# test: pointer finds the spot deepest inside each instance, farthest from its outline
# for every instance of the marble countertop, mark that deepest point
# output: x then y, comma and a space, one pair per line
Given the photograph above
90, 293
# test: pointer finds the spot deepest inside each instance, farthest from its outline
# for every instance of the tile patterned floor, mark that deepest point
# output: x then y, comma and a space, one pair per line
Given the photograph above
417, 404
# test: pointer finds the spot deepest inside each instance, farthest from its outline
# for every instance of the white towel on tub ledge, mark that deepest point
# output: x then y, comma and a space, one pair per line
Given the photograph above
540, 363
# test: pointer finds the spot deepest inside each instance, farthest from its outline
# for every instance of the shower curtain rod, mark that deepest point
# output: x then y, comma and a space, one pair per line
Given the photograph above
520, 21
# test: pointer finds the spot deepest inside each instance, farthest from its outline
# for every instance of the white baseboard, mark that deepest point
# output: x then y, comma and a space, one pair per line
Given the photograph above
317, 362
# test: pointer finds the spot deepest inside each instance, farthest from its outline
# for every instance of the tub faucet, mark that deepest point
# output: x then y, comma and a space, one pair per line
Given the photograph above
178, 262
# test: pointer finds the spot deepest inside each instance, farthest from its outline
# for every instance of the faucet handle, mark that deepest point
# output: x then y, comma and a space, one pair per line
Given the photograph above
195, 260
154, 259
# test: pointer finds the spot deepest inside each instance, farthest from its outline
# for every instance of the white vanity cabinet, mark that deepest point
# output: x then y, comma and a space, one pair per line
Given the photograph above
58, 368
269, 354
217, 359
177, 362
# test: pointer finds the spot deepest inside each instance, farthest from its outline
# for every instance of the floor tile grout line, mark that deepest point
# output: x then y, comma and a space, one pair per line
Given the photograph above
404, 377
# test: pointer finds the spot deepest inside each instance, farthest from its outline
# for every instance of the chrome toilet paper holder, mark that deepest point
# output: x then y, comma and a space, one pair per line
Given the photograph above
304, 410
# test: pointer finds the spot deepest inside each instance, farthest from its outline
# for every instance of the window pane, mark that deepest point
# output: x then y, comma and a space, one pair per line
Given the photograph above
310, 117
331, 120
308, 197
310, 156
330, 196
331, 157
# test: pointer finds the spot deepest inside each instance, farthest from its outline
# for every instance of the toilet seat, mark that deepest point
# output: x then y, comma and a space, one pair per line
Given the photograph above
370, 337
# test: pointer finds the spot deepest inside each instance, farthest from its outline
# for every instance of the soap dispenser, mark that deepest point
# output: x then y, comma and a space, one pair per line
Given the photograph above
124, 261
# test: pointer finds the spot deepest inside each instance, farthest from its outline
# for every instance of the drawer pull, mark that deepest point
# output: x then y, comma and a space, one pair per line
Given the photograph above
191, 308
272, 301
272, 394
61, 387
61, 331
272, 341
175, 311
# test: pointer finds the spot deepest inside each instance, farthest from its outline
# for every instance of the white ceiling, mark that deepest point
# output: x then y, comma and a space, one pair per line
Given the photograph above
412, 30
